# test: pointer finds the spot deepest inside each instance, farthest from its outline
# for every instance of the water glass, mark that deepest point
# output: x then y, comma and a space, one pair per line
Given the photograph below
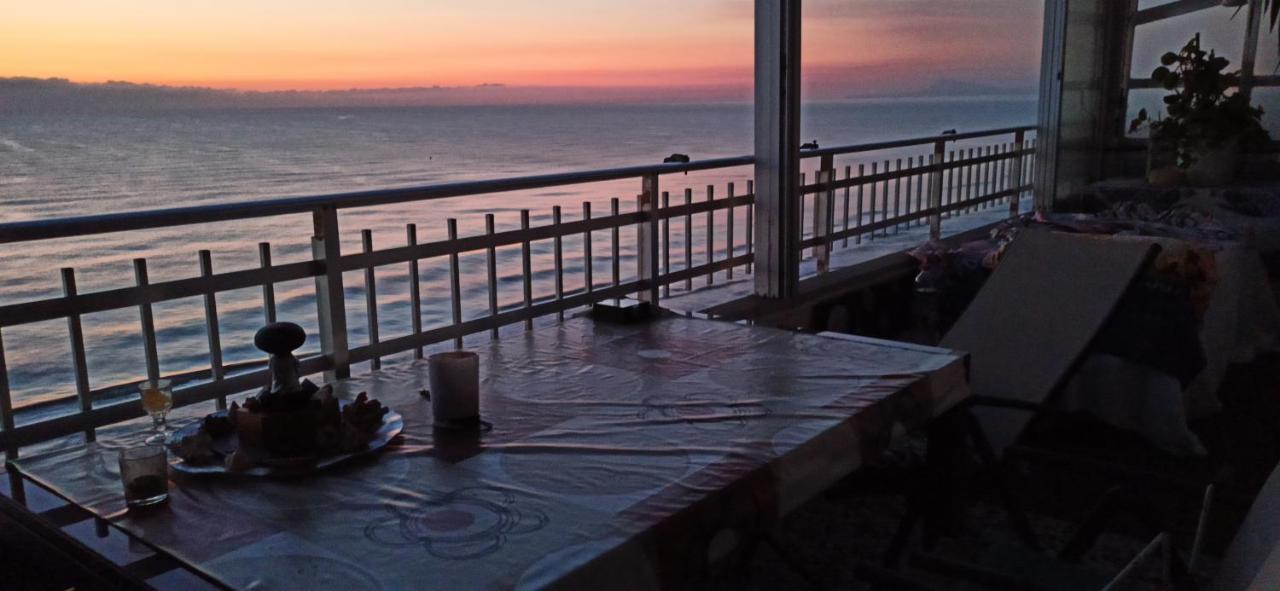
144, 472
157, 399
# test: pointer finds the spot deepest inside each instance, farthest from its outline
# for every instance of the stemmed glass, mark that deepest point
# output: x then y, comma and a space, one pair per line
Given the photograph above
157, 399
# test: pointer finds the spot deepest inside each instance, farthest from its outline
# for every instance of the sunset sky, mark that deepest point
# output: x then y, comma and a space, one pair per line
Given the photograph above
851, 46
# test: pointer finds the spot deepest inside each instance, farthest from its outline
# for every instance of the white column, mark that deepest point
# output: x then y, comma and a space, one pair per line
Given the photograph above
777, 147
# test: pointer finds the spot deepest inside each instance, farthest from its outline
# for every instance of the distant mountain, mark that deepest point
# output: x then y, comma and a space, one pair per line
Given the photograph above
59, 95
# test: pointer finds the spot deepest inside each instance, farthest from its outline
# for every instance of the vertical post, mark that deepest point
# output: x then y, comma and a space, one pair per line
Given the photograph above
920, 192
777, 147
1049, 117
78, 360
557, 257
666, 244
1015, 173
897, 193
615, 246
268, 288
979, 178
1253, 29
728, 234
587, 264
857, 220
688, 238
871, 211
884, 202
954, 193
971, 188
935, 189
526, 270
455, 278
711, 234
911, 164
211, 325
823, 201
848, 173
751, 226
491, 262
147, 320
370, 297
415, 288
330, 305
6, 408
647, 248
802, 196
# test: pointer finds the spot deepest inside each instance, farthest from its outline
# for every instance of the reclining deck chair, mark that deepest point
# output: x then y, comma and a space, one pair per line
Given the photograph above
1028, 328
1025, 332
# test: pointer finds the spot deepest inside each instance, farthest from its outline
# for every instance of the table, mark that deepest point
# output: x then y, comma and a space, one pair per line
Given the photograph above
635, 455
1250, 209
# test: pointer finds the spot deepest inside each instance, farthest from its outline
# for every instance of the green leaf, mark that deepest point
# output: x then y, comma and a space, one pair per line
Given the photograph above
1159, 74
1169, 58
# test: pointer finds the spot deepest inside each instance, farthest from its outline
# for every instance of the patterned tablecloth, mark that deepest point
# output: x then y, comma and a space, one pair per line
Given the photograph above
629, 455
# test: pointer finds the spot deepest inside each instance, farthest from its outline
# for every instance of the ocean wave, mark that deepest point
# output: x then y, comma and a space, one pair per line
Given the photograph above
12, 145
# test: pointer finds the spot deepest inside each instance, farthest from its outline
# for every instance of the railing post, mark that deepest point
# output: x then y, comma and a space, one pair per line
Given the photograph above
330, 305
370, 297
79, 363
1015, 174
647, 247
935, 188
147, 318
268, 288
6, 410
822, 212
216, 371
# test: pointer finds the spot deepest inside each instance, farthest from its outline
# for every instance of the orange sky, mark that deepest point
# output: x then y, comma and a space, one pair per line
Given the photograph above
323, 44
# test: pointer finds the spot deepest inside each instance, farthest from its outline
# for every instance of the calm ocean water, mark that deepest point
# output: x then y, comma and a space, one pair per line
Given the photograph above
52, 166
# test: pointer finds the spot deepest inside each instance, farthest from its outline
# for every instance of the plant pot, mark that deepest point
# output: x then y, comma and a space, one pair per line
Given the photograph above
1215, 165
1162, 165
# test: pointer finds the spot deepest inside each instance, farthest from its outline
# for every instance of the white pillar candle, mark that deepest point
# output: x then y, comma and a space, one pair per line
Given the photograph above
455, 386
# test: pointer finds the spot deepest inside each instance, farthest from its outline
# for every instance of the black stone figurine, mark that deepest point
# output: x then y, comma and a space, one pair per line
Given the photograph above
280, 339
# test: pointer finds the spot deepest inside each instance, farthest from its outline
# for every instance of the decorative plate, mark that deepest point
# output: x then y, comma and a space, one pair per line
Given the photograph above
392, 425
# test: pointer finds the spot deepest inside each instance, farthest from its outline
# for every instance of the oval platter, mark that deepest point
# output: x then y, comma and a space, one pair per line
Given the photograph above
392, 425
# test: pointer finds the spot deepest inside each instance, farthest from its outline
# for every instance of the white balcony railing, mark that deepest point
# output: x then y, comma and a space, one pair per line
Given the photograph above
861, 201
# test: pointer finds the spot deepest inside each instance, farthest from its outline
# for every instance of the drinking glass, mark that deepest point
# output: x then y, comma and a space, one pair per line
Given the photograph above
144, 471
157, 399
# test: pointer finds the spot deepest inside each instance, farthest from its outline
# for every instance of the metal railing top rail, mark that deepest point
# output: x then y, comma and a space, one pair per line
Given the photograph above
932, 139
44, 229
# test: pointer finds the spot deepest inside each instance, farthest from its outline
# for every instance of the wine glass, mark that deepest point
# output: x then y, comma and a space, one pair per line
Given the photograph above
157, 399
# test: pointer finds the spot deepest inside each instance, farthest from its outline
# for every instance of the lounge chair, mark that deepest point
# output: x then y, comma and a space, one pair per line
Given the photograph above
1025, 332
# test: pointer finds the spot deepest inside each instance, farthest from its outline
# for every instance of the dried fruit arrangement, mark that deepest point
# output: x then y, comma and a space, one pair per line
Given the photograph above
249, 435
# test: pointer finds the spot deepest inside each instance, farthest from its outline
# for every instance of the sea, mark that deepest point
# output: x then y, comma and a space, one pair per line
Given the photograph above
54, 166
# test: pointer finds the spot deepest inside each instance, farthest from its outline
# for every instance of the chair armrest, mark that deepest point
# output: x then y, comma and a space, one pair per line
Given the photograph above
993, 402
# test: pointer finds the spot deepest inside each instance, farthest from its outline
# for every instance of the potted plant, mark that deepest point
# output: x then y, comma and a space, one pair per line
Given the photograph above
1207, 121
